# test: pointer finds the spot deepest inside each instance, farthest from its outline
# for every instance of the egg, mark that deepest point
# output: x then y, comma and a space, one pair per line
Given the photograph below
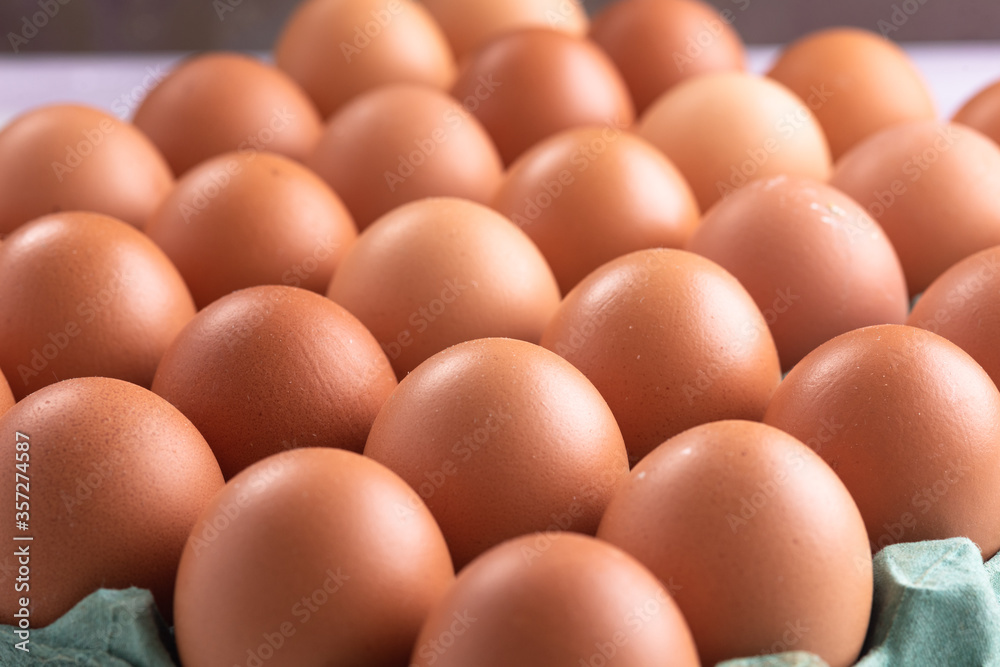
400, 143
724, 129
84, 294
469, 24
501, 438
982, 112
66, 158
113, 479
963, 305
932, 187
244, 219
338, 49
758, 540
910, 423
555, 600
308, 558
671, 340
856, 82
272, 368
659, 43
442, 271
813, 260
6, 397
532, 83
589, 195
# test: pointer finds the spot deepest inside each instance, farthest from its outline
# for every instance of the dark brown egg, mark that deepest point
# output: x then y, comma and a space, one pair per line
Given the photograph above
759, 542
6, 397
530, 84
84, 294
309, 558
114, 478
982, 112
272, 368
73, 158
246, 219
555, 600
501, 438
910, 423
671, 340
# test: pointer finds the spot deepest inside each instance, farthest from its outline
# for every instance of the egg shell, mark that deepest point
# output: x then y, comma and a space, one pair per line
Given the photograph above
272, 368
66, 158
658, 43
671, 340
115, 479
308, 558
982, 112
337, 49
589, 195
400, 143
501, 438
215, 103
532, 83
555, 600
755, 536
442, 271
6, 397
84, 294
910, 423
245, 219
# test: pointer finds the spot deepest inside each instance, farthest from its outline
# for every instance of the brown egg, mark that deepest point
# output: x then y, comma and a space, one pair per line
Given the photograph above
246, 219
910, 423
723, 130
442, 271
813, 260
65, 158
309, 558
963, 305
114, 478
469, 24
272, 368
6, 397
337, 49
530, 84
511, 606
933, 188
215, 103
982, 112
671, 340
589, 195
501, 438
659, 43
759, 542
84, 294
855, 82
403, 142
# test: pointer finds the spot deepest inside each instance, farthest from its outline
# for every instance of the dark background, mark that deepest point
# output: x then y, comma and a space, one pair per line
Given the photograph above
170, 25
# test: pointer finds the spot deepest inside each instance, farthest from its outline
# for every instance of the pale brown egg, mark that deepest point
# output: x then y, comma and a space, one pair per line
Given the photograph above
855, 82
114, 478
671, 340
759, 542
215, 103
511, 607
246, 219
442, 271
932, 186
309, 558
501, 438
982, 112
74, 158
337, 49
400, 143
723, 130
589, 195
85, 294
659, 43
910, 423
813, 260
530, 84
272, 368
